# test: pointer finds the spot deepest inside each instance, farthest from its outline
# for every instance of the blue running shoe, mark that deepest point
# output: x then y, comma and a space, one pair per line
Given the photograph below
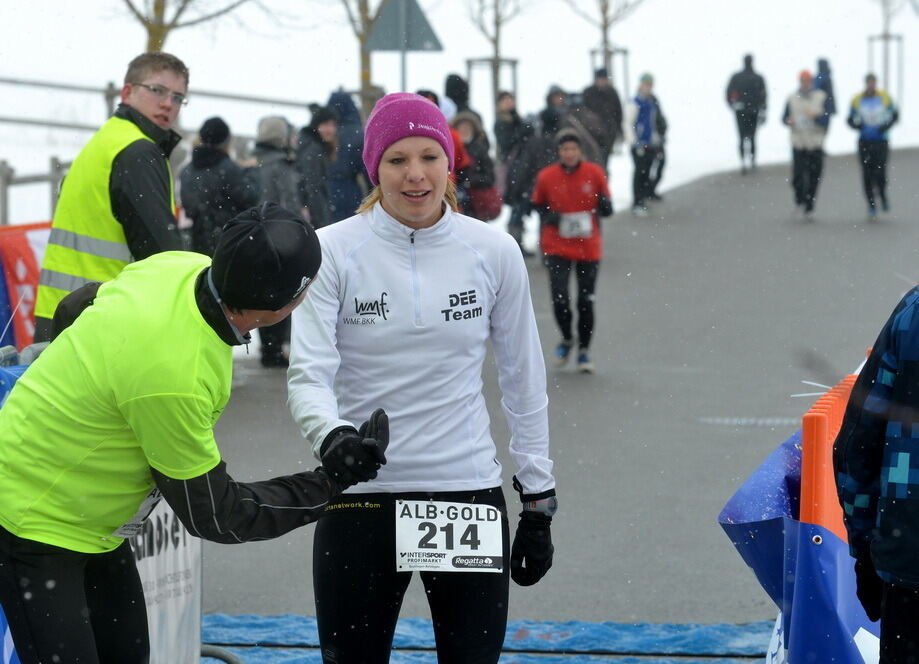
584, 363
562, 351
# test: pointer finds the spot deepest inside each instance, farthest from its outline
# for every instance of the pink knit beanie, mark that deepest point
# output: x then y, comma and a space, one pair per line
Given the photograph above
397, 116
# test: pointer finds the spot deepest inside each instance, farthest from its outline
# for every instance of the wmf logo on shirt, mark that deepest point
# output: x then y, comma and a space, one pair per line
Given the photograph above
367, 312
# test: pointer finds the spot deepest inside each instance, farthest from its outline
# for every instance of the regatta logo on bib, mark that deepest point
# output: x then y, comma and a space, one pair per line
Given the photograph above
477, 562
467, 300
367, 312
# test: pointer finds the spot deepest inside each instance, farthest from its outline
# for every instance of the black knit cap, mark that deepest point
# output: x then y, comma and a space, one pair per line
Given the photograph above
214, 131
265, 257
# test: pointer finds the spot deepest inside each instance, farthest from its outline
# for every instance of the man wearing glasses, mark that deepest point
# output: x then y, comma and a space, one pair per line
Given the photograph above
117, 203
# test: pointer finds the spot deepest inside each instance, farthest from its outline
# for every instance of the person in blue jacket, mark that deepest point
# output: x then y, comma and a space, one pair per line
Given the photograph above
872, 113
347, 176
824, 81
877, 480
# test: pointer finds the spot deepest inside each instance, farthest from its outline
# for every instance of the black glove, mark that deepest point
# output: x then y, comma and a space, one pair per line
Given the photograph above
549, 217
350, 456
531, 553
869, 587
604, 206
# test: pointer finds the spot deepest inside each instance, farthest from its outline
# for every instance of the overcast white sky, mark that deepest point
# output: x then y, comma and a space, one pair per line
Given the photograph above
691, 46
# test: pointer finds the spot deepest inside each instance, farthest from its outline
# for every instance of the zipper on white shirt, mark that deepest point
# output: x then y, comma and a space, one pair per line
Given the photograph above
416, 286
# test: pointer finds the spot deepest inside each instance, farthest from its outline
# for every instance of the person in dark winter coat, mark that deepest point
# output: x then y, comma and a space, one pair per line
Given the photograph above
508, 126
480, 174
746, 96
347, 177
602, 99
316, 150
574, 114
456, 89
214, 188
538, 151
824, 81
279, 183
660, 159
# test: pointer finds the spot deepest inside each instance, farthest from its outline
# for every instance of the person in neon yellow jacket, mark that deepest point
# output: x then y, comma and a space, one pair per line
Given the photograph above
117, 202
119, 411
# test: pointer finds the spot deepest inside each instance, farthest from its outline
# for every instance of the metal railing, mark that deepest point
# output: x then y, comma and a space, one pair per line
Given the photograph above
110, 94
8, 178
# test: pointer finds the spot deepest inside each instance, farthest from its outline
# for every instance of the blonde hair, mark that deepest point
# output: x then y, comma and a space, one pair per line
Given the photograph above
376, 195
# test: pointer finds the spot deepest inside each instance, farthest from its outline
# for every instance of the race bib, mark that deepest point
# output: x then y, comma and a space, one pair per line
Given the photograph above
447, 537
576, 224
803, 121
874, 116
136, 522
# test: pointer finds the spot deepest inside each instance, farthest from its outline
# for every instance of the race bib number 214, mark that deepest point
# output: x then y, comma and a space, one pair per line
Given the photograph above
447, 537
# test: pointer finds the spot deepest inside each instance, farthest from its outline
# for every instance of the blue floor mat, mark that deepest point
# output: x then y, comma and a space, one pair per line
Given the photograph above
295, 656
571, 642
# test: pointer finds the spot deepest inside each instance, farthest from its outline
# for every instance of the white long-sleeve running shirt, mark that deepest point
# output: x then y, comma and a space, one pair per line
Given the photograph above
400, 319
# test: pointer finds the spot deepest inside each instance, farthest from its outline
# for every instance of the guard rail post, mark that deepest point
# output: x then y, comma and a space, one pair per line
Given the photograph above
56, 177
6, 179
111, 94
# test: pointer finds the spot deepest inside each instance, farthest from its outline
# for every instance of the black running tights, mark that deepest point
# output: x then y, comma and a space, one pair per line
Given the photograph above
586, 276
359, 592
65, 606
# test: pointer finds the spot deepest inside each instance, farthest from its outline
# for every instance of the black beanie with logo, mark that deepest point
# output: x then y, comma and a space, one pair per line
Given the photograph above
265, 257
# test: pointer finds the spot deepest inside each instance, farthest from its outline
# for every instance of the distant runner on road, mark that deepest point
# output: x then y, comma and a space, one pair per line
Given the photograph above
872, 113
746, 96
805, 116
571, 196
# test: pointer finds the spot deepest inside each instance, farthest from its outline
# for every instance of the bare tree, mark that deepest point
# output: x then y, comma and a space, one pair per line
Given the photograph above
160, 17
888, 9
608, 13
362, 19
489, 16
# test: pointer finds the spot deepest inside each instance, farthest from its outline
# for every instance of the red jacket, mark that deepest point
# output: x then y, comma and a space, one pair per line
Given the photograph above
568, 193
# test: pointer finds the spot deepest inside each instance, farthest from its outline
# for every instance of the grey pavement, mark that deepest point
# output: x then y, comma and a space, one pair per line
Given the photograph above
710, 314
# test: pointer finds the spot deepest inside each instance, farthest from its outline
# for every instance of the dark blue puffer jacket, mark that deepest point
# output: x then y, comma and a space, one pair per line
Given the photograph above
344, 191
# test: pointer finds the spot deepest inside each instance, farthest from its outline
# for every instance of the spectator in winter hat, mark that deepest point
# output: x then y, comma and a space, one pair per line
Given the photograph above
316, 149
603, 101
348, 183
456, 89
460, 157
401, 314
214, 187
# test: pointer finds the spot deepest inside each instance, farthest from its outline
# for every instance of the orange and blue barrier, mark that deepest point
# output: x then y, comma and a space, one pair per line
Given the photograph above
786, 523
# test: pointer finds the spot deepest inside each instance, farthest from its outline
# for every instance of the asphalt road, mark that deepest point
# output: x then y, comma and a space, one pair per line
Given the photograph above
710, 314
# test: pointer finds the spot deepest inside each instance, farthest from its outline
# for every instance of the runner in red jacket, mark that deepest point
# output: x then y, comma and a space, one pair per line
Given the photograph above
571, 196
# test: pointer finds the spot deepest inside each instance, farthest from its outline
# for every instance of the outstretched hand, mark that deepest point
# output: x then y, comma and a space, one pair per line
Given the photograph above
351, 456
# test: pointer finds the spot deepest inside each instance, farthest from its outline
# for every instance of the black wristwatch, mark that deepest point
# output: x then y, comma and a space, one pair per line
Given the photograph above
545, 502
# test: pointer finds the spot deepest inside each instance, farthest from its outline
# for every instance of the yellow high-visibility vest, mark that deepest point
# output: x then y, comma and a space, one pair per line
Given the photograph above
87, 243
